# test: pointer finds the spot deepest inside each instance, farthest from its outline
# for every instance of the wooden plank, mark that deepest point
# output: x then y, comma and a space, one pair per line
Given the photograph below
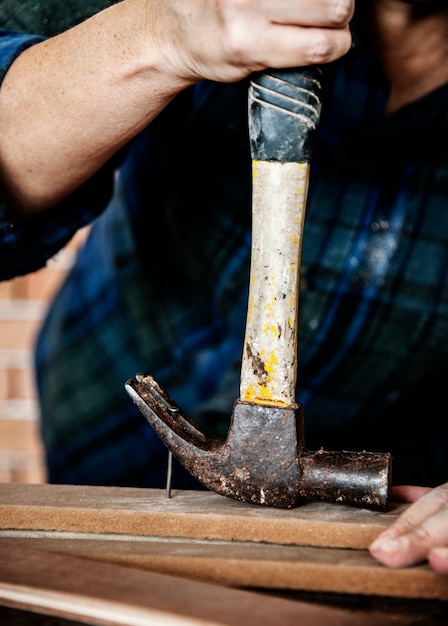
188, 514
100, 593
243, 564
208, 537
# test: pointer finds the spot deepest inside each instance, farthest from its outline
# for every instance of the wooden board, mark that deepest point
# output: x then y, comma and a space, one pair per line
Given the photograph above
100, 593
206, 537
188, 514
249, 565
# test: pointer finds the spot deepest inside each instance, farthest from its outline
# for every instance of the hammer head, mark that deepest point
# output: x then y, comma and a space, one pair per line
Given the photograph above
263, 459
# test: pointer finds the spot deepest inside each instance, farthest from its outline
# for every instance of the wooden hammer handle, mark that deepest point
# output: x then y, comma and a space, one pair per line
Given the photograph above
284, 112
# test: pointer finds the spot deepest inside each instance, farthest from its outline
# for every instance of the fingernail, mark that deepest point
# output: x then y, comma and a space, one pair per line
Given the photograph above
438, 558
441, 553
386, 544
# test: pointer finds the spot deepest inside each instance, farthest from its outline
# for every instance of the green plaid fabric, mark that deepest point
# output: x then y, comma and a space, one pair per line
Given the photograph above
48, 17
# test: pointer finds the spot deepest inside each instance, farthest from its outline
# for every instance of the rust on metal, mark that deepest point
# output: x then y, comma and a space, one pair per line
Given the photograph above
263, 459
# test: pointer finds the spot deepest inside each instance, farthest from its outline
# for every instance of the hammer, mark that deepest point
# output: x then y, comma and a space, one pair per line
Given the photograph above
264, 459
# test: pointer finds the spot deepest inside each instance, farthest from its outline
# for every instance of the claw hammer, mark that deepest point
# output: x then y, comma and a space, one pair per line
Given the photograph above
264, 459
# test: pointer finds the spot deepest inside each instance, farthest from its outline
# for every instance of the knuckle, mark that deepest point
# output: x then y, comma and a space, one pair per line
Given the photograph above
442, 492
238, 48
341, 12
325, 48
422, 536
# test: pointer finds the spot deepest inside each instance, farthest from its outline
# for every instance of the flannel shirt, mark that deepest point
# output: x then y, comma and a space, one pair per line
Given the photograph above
161, 285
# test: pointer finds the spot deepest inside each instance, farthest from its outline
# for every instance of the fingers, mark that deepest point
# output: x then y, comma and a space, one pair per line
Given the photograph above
325, 13
225, 40
408, 493
438, 559
292, 46
419, 534
298, 33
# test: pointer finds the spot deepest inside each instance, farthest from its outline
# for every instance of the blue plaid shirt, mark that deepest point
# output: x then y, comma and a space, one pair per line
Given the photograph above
161, 285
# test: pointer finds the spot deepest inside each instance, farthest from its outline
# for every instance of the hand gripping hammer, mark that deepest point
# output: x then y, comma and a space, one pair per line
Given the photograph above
264, 459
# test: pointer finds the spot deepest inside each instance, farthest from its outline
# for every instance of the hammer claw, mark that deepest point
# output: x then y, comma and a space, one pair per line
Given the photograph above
234, 466
164, 415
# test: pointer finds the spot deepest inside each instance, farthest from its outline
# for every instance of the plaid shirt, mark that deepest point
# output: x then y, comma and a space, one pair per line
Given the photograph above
161, 285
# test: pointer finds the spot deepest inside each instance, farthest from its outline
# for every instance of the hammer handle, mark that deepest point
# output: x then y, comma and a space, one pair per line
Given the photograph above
284, 112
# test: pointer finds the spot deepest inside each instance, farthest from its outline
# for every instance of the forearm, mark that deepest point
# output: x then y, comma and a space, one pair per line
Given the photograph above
69, 103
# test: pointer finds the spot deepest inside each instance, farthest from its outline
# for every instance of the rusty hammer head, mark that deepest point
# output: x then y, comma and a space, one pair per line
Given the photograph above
263, 458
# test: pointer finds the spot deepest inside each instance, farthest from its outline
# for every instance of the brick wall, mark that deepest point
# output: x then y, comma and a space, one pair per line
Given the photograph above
23, 302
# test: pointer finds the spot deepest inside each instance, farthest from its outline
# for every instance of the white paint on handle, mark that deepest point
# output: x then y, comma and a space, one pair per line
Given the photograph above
269, 366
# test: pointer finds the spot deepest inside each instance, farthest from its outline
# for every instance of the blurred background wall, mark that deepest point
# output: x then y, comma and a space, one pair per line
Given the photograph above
23, 302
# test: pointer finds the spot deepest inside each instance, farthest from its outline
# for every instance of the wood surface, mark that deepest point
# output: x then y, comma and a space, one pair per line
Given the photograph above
258, 566
206, 537
187, 514
99, 593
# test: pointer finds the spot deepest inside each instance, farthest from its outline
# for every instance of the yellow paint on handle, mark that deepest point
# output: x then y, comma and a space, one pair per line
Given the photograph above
268, 372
